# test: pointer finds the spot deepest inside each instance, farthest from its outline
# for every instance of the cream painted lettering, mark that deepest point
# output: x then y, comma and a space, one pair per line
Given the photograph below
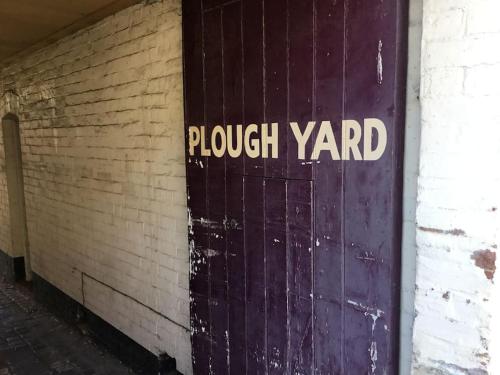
345, 140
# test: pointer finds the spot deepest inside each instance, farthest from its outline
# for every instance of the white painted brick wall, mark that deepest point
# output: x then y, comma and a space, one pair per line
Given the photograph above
103, 150
457, 300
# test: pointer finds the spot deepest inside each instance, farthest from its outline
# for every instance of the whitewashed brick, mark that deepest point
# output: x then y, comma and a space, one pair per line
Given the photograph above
482, 17
457, 207
103, 150
444, 82
447, 24
483, 80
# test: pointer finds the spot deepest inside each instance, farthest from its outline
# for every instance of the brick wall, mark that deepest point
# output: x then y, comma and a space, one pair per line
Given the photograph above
103, 151
459, 190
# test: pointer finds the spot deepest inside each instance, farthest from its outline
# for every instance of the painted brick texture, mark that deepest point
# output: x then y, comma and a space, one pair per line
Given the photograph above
456, 326
102, 137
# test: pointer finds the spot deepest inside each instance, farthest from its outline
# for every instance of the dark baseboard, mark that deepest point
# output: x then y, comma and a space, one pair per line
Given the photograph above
11, 268
58, 302
141, 360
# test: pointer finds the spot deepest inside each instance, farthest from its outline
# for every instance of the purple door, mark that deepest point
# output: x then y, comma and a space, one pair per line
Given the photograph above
294, 125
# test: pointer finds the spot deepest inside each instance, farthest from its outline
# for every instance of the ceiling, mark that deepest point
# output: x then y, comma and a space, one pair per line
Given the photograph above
26, 25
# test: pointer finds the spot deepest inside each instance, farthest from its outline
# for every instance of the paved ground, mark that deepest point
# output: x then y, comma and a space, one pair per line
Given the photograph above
34, 342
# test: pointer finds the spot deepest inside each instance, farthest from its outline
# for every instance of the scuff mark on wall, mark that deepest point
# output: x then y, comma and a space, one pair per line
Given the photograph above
453, 232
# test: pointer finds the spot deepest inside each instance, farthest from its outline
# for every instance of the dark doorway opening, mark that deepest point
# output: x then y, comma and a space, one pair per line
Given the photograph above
15, 188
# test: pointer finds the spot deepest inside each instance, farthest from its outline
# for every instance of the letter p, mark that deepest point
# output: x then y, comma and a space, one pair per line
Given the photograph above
194, 139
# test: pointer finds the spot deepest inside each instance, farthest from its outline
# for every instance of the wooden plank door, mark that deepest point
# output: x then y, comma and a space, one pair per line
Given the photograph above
295, 247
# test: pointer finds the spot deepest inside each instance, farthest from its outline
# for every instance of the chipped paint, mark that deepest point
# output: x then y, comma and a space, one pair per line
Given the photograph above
375, 314
486, 260
190, 222
211, 252
373, 356
192, 264
197, 162
380, 67
204, 222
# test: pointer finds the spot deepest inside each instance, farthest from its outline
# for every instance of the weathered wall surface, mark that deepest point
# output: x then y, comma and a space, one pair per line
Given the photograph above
103, 150
458, 194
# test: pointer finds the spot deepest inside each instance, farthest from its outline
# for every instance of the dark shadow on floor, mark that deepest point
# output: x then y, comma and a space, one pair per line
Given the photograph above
35, 342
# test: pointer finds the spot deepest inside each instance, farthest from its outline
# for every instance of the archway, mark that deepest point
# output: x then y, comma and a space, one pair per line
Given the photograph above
15, 188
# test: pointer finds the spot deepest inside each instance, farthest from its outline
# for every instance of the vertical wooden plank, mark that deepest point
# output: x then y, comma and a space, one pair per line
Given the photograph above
300, 244
300, 84
300, 27
236, 335
276, 274
328, 192
196, 186
276, 81
233, 115
233, 78
255, 271
253, 99
216, 193
372, 268
253, 74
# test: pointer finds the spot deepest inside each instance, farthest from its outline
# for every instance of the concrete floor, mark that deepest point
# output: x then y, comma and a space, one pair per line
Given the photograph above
34, 342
